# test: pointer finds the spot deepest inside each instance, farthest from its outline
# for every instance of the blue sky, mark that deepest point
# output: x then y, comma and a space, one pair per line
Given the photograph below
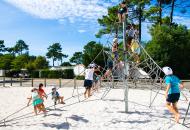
72, 23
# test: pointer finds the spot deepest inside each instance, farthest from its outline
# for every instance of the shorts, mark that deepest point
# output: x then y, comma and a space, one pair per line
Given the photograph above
116, 55
122, 11
173, 98
87, 83
37, 102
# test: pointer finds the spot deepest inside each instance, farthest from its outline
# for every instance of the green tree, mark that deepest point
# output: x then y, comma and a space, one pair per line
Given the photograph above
55, 52
2, 46
5, 61
93, 52
66, 64
19, 62
108, 22
20, 47
77, 58
40, 63
61, 57
170, 47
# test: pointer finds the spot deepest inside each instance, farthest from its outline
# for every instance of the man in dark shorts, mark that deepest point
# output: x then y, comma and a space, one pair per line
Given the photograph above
172, 91
88, 82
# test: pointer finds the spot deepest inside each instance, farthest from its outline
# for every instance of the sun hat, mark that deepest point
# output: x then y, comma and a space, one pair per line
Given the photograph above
167, 70
54, 88
115, 39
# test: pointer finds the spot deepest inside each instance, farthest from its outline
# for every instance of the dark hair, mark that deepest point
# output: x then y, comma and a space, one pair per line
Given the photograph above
40, 85
34, 89
123, 2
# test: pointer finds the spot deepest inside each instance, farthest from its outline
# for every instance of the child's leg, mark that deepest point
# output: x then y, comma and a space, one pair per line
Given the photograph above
85, 93
120, 17
123, 17
35, 110
177, 116
89, 92
172, 110
61, 99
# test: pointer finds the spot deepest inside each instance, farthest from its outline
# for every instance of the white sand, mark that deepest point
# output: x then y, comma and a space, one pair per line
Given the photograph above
91, 114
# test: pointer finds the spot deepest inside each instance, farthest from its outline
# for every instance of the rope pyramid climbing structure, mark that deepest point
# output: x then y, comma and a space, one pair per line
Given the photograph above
134, 68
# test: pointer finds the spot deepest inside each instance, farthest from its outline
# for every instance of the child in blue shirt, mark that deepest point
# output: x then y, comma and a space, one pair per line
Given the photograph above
56, 97
172, 94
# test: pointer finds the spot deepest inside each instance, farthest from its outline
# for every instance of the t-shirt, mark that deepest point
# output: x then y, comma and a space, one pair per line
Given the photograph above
89, 74
41, 91
35, 95
55, 94
131, 33
174, 82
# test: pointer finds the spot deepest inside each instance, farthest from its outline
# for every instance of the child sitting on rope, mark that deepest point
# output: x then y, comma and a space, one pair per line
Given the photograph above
122, 11
115, 49
42, 92
37, 102
56, 97
172, 93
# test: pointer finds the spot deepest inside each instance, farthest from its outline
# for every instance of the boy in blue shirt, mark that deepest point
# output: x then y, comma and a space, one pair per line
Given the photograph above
172, 91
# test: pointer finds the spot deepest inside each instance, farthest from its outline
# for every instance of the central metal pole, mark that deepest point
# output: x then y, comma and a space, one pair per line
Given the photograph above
125, 65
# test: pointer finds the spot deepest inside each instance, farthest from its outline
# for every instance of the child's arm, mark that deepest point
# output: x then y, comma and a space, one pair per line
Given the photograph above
167, 89
181, 85
29, 100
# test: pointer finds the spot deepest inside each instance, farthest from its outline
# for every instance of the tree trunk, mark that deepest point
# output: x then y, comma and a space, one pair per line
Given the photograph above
53, 62
160, 12
172, 10
140, 22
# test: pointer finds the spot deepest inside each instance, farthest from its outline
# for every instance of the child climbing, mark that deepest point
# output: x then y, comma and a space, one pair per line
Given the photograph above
108, 72
172, 93
56, 97
130, 35
42, 92
96, 78
88, 82
37, 102
115, 49
122, 11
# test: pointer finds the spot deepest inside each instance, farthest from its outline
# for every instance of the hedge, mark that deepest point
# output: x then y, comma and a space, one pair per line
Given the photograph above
66, 74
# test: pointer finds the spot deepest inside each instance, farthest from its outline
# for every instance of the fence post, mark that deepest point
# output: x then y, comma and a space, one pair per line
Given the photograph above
3, 81
45, 82
20, 81
32, 82
75, 83
60, 82
11, 81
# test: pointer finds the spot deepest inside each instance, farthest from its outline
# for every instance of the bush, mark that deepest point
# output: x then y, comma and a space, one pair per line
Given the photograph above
68, 74
34, 74
55, 74
80, 77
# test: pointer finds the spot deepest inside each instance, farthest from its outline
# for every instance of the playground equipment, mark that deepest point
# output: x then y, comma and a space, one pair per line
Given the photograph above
136, 70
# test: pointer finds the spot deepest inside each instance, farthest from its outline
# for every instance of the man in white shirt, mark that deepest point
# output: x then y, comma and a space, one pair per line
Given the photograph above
88, 80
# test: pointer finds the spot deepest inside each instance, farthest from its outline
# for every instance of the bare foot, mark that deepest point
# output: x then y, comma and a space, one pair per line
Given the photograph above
84, 95
62, 102
177, 117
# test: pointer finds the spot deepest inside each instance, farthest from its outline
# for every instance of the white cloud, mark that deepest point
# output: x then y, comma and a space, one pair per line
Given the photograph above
81, 31
182, 20
61, 9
